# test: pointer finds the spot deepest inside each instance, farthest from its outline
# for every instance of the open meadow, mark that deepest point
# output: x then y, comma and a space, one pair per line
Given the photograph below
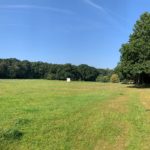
55, 115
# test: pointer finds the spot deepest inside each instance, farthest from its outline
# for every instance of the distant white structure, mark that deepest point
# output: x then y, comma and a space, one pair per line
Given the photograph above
68, 80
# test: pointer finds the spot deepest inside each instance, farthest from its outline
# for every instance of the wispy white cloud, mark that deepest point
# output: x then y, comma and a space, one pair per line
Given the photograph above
95, 5
46, 8
110, 16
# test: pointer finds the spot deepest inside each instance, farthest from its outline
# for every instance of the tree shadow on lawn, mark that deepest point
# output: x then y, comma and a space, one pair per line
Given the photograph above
142, 86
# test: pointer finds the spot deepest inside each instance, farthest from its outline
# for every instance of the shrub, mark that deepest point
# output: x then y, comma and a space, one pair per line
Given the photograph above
126, 81
50, 77
115, 78
103, 79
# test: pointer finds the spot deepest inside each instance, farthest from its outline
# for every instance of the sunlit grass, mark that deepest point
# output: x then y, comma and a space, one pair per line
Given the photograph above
55, 115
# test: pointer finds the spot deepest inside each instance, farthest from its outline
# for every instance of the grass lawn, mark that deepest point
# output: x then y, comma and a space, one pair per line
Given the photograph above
55, 115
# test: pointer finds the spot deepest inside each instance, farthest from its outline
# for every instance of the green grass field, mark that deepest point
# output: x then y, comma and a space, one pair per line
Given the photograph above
55, 115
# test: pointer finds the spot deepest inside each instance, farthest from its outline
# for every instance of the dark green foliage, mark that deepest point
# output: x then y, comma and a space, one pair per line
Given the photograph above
105, 72
68, 71
135, 55
87, 73
104, 75
103, 78
16, 69
125, 81
50, 76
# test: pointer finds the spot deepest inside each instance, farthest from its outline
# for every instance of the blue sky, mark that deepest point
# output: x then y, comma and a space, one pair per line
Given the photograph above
68, 31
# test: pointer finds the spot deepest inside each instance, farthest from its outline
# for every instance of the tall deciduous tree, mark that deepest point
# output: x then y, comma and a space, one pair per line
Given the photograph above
135, 54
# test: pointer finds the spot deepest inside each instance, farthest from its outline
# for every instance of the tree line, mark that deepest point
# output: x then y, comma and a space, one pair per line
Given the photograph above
16, 69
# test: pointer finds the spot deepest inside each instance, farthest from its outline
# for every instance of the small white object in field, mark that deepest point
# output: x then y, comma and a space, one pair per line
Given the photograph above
68, 80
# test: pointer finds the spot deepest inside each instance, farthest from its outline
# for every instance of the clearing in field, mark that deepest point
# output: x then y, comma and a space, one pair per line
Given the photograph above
55, 115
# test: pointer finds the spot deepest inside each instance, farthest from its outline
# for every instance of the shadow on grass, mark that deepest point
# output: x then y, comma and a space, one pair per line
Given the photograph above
11, 134
143, 86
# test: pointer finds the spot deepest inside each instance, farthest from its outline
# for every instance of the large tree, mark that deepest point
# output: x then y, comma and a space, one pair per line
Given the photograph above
135, 54
87, 73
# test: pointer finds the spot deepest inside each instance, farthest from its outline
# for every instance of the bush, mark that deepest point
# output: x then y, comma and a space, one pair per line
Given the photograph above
115, 78
50, 77
103, 79
126, 81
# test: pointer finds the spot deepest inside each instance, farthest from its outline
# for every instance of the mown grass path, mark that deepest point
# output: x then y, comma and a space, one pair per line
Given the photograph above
55, 115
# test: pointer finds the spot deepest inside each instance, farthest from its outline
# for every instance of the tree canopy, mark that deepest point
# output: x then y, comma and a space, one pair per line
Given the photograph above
135, 54
15, 69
